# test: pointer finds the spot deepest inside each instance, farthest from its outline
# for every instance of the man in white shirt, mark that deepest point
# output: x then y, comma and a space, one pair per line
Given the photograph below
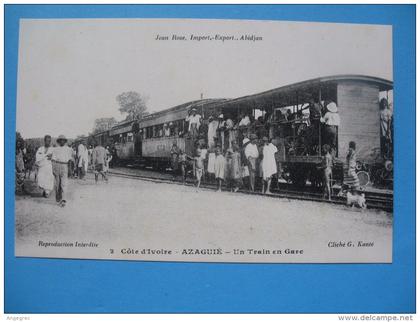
61, 156
83, 160
45, 177
194, 121
252, 154
331, 121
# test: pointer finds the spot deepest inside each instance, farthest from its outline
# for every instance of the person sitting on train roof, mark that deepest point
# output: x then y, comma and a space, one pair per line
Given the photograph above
331, 121
194, 121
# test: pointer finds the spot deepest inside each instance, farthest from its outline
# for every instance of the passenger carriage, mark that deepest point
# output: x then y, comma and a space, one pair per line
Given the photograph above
286, 122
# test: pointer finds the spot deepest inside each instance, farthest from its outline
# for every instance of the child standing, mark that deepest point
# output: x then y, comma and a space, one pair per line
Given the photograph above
211, 162
327, 170
183, 164
199, 167
219, 168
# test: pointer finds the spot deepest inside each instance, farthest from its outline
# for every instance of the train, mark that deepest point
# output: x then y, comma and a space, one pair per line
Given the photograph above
286, 120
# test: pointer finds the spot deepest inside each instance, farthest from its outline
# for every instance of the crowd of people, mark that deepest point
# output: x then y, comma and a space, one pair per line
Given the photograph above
54, 164
246, 152
237, 166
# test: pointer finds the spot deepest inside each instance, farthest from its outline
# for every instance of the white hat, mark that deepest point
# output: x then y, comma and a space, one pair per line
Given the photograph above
221, 116
245, 141
332, 107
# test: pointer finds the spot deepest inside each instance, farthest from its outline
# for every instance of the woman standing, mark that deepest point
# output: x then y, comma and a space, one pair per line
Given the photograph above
350, 179
219, 168
269, 165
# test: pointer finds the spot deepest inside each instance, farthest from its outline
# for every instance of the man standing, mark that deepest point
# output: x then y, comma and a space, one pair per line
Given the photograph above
331, 120
385, 118
61, 156
194, 121
83, 159
99, 156
45, 177
252, 154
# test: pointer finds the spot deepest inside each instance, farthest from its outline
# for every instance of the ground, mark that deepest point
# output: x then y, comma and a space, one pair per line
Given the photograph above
134, 219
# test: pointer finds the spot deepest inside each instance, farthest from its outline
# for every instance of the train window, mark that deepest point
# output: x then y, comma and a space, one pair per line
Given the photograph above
130, 137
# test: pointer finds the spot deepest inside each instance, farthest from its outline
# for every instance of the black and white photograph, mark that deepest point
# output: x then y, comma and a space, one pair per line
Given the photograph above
204, 141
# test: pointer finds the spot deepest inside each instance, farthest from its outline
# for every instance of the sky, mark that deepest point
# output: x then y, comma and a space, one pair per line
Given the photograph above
71, 70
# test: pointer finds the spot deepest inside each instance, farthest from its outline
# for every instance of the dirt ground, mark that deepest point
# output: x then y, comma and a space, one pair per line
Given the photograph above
140, 220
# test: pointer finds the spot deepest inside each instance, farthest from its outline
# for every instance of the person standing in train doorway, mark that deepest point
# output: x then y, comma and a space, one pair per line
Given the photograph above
99, 156
331, 120
194, 121
61, 155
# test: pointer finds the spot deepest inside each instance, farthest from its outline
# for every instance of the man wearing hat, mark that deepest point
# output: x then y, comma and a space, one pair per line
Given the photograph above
61, 156
193, 120
331, 122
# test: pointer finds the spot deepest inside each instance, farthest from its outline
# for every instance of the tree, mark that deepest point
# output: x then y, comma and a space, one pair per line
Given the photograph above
132, 103
103, 124
20, 142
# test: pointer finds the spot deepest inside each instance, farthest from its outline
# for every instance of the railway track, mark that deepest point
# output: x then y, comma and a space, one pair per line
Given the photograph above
374, 200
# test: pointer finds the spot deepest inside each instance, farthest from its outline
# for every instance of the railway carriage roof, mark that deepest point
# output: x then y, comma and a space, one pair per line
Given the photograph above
280, 96
286, 95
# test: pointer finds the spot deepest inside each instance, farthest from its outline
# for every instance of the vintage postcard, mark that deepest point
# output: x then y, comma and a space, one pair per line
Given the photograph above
204, 141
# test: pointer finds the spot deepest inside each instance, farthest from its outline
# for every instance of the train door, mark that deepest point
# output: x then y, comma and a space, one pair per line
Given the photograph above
138, 144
